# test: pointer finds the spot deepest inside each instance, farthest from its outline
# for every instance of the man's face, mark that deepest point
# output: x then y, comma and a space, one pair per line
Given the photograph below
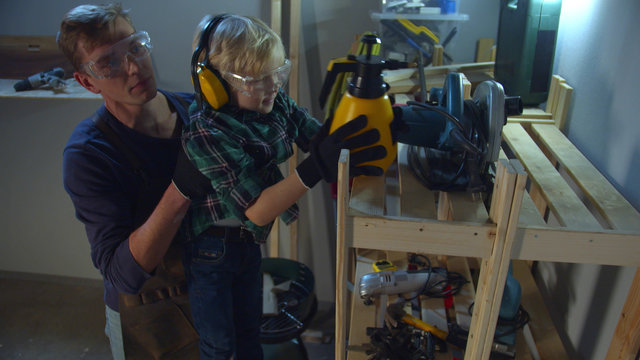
132, 84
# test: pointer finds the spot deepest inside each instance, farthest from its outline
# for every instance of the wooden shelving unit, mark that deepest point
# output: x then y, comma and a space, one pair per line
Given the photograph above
549, 204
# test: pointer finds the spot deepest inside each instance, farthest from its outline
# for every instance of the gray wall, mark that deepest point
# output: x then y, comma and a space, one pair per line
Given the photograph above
38, 233
598, 53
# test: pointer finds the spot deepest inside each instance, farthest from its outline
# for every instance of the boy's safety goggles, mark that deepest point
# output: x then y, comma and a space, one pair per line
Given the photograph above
108, 64
256, 86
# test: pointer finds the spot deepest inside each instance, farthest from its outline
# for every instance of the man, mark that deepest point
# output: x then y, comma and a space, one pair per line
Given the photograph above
128, 185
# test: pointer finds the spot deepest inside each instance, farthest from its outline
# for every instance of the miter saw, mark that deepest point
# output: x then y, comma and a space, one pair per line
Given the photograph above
453, 142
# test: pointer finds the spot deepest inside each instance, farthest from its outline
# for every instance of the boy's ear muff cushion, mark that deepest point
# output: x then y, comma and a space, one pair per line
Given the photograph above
208, 84
212, 87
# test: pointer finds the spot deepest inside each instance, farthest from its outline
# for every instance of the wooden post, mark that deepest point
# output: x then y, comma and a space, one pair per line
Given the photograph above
276, 25
341, 256
484, 50
294, 48
626, 338
504, 211
438, 54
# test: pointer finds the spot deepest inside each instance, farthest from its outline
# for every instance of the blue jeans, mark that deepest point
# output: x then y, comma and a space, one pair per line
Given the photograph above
225, 294
113, 330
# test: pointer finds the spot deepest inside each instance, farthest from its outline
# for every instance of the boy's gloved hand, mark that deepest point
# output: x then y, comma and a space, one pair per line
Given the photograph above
189, 181
324, 151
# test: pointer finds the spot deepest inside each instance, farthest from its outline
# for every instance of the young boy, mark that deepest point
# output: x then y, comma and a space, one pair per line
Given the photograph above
236, 138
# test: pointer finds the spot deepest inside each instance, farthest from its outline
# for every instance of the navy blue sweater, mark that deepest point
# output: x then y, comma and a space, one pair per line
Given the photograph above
105, 189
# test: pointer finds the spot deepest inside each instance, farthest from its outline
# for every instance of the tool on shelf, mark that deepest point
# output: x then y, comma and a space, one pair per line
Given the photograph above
453, 141
53, 78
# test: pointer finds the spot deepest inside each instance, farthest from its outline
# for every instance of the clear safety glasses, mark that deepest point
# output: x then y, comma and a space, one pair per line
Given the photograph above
109, 63
257, 86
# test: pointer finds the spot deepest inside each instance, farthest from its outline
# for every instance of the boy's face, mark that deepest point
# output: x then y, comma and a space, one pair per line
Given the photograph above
132, 82
261, 101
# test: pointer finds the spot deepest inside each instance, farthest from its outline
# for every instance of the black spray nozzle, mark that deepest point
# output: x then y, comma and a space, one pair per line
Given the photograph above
367, 81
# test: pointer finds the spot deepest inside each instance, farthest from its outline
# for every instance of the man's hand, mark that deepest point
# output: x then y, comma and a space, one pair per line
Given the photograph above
324, 151
189, 181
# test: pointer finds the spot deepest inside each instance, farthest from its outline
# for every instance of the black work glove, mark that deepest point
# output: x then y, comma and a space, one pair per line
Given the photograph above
324, 151
189, 181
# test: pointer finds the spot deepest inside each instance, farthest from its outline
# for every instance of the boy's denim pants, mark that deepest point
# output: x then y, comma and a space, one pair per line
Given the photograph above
225, 294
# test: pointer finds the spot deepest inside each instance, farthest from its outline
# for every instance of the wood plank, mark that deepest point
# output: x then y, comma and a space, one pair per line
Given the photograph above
294, 56
544, 332
438, 54
444, 207
468, 207
276, 16
626, 338
367, 195
423, 236
484, 48
416, 200
560, 198
491, 265
533, 113
276, 25
613, 207
562, 106
552, 97
464, 299
571, 245
525, 121
504, 259
342, 234
529, 214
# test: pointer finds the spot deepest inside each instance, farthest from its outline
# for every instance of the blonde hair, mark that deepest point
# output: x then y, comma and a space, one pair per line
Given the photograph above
241, 44
91, 23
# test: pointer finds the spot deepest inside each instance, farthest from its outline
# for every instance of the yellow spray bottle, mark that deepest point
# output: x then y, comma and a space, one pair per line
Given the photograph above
366, 95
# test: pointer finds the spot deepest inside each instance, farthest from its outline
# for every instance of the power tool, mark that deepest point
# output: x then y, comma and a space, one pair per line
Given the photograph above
438, 282
52, 78
453, 141
434, 282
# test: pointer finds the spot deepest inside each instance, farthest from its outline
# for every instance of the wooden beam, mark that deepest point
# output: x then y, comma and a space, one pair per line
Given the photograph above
438, 54
276, 25
609, 203
424, 236
560, 198
341, 256
484, 49
294, 57
505, 181
626, 338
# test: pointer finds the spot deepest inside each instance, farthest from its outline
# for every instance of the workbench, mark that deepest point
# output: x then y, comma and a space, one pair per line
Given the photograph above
549, 203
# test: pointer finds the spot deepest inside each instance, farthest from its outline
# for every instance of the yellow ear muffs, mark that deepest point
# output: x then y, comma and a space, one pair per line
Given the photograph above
212, 87
207, 83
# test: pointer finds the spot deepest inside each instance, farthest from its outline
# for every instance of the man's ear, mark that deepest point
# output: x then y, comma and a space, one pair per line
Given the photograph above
86, 81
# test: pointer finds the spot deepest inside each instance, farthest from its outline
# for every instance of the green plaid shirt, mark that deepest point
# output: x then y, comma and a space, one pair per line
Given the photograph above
239, 151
